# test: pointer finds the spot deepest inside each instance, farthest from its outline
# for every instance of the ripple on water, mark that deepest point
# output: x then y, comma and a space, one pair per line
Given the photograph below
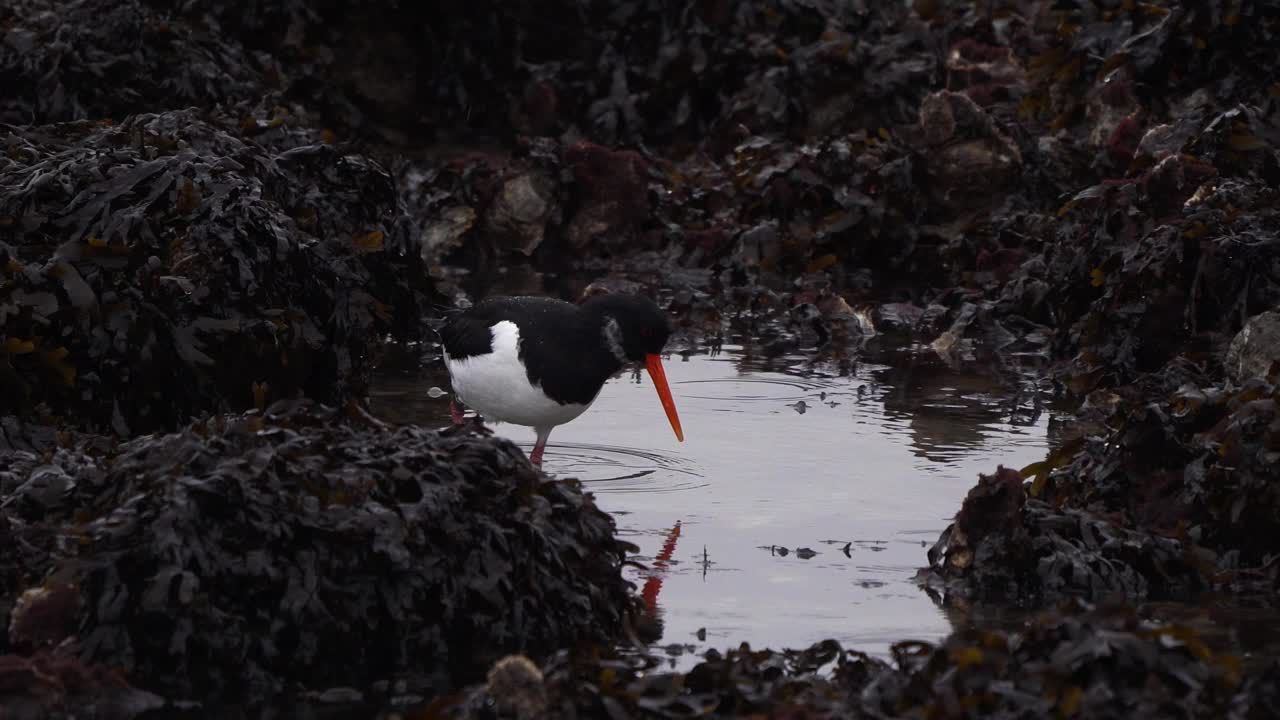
618, 469
749, 389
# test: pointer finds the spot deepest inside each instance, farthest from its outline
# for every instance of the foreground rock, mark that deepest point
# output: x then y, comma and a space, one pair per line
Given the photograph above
293, 549
1071, 661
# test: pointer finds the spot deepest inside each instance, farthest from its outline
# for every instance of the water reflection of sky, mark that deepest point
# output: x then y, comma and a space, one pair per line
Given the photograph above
780, 453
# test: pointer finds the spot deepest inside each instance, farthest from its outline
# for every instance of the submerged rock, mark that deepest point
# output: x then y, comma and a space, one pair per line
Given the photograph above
1256, 348
293, 549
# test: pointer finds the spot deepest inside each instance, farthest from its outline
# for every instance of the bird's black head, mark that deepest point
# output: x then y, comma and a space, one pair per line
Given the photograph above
636, 330
642, 327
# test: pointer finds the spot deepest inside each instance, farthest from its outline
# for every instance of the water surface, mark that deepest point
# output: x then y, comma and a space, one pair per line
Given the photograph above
804, 497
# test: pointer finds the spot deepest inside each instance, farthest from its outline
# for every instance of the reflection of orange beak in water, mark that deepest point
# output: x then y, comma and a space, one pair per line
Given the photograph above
653, 364
653, 584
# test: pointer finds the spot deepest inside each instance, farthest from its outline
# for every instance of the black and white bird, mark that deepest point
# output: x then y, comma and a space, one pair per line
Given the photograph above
541, 362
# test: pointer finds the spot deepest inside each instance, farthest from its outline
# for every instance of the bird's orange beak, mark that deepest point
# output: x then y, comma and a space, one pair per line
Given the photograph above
653, 363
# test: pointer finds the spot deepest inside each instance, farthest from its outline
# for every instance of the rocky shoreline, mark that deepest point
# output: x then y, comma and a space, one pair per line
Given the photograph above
210, 212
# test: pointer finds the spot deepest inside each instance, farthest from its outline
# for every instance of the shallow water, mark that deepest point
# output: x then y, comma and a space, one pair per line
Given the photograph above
861, 464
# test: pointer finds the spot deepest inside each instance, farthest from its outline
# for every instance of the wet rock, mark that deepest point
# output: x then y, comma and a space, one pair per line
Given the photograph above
758, 245
612, 193
1166, 139
898, 316
44, 615
1255, 348
610, 284
514, 688
906, 317
447, 234
45, 489
48, 685
1172, 181
548, 200
519, 214
1026, 292
975, 329
247, 555
986, 73
969, 157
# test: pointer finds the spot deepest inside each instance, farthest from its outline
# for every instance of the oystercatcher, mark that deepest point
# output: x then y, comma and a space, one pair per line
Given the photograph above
541, 362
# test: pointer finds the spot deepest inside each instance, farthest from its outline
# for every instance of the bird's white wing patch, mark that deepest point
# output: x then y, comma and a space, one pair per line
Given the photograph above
497, 384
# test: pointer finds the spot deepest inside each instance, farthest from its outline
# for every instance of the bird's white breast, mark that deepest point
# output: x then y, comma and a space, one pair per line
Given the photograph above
497, 385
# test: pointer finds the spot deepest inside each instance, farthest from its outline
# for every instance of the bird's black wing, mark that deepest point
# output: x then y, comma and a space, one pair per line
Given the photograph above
466, 333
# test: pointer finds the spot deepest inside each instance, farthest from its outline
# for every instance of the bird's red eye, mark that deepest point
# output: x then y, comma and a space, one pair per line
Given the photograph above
646, 331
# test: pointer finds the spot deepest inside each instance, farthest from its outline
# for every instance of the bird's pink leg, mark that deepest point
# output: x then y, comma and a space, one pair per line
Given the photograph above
456, 413
535, 457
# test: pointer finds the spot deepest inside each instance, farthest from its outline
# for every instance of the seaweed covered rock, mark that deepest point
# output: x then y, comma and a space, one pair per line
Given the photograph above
734, 116
630, 72
1073, 660
247, 555
1171, 261
94, 59
1187, 457
1004, 547
166, 267
1095, 68
769, 207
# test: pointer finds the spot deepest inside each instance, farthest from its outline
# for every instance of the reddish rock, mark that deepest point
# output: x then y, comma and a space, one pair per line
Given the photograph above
612, 191
968, 155
48, 685
995, 502
44, 615
1123, 141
